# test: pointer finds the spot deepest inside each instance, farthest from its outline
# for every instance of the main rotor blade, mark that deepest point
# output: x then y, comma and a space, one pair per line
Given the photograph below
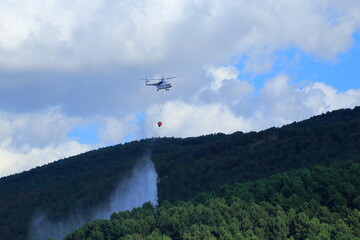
174, 77
152, 79
160, 79
149, 79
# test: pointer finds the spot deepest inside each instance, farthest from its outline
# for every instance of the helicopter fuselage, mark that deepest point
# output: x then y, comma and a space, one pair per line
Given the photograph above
160, 85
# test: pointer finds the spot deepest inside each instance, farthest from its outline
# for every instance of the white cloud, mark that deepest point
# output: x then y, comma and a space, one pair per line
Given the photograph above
115, 130
223, 87
35, 129
277, 86
32, 139
220, 74
182, 119
321, 98
279, 102
283, 102
63, 34
13, 161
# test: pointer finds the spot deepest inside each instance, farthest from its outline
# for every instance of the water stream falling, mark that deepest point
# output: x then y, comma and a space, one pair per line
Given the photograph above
132, 192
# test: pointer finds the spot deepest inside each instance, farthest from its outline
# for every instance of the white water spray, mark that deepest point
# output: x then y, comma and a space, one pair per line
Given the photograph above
132, 192
135, 191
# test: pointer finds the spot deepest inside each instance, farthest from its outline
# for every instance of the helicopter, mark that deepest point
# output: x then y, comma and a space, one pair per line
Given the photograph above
161, 84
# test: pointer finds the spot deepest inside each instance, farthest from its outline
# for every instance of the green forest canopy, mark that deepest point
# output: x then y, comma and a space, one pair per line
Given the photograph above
321, 203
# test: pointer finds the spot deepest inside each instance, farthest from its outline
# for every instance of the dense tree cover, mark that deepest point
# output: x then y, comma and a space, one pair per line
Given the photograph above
321, 203
74, 184
245, 157
185, 166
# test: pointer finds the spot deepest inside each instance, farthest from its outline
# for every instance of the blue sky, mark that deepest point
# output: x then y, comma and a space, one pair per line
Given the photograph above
69, 70
85, 134
342, 72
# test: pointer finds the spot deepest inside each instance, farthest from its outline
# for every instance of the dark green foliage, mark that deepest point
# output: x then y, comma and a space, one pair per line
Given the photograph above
240, 211
245, 157
185, 168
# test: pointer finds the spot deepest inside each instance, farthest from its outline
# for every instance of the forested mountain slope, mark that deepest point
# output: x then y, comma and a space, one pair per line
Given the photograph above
185, 166
243, 157
320, 203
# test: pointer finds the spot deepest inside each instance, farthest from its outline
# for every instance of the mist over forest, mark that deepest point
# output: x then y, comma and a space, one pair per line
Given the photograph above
132, 191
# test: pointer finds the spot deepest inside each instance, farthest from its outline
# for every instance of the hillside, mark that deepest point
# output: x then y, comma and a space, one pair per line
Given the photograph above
185, 166
320, 203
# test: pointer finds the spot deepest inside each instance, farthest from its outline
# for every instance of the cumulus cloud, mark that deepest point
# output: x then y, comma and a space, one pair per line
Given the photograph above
285, 101
86, 56
13, 161
31, 139
279, 102
17, 129
321, 98
220, 74
77, 33
181, 119
114, 130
